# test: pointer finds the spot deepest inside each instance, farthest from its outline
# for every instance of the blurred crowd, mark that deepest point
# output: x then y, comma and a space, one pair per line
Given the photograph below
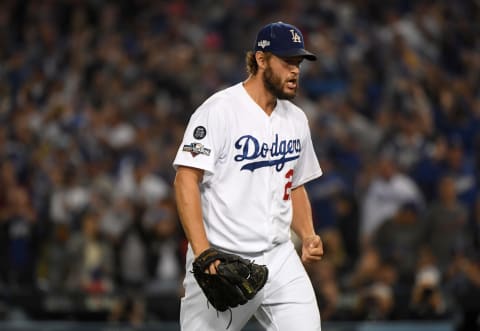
94, 98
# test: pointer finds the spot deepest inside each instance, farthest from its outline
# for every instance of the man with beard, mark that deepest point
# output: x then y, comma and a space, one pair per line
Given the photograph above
241, 169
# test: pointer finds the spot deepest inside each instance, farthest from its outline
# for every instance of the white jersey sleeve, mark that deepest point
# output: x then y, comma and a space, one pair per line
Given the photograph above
204, 138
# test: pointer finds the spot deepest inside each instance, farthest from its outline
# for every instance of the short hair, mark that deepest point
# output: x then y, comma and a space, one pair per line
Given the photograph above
251, 62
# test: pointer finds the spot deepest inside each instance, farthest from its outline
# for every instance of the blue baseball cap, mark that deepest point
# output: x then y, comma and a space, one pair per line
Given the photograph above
282, 39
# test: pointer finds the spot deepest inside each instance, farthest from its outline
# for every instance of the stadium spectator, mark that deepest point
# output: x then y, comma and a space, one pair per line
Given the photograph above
447, 215
427, 299
91, 266
388, 190
399, 239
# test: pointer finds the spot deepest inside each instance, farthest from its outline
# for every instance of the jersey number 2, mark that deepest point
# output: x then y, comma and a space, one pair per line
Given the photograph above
288, 185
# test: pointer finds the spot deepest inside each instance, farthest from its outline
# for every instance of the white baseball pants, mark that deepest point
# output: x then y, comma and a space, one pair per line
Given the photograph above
287, 301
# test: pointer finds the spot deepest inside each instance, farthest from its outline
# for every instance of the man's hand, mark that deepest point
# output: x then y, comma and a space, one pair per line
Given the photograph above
312, 249
232, 281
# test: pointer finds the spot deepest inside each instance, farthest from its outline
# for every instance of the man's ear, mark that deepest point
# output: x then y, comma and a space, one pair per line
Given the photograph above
261, 59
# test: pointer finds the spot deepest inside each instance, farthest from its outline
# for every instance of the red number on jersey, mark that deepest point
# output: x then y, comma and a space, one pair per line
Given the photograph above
288, 185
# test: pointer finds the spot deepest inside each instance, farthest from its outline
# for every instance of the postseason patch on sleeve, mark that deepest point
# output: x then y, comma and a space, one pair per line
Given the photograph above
200, 132
196, 148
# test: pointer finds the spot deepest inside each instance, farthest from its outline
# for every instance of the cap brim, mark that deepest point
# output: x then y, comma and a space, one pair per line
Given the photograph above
297, 52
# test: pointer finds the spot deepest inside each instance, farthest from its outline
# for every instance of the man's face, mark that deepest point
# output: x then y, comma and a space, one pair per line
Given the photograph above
281, 76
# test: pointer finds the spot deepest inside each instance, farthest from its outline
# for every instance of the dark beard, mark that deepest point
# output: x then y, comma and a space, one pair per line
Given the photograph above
273, 84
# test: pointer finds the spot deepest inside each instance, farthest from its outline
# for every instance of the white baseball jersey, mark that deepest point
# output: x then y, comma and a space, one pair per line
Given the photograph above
251, 162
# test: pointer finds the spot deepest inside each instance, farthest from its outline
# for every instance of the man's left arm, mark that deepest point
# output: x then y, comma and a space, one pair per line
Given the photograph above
302, 225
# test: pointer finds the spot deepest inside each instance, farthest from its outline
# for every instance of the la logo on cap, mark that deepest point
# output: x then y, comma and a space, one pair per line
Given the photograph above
295, 36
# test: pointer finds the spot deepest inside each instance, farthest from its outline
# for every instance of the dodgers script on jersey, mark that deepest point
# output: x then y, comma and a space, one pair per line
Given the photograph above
251, 163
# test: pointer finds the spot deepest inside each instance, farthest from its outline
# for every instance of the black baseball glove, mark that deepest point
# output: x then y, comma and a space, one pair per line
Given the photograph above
237, 280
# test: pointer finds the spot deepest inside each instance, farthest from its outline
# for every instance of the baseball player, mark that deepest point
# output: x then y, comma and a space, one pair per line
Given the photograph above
241, 168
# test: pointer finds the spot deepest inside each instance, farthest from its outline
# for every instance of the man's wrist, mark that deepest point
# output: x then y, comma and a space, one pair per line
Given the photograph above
309, 236
199, 249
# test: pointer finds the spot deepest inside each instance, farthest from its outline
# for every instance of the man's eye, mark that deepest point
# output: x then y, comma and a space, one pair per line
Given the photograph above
293, 62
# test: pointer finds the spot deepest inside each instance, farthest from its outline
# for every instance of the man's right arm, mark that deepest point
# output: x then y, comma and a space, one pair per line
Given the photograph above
187, 194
